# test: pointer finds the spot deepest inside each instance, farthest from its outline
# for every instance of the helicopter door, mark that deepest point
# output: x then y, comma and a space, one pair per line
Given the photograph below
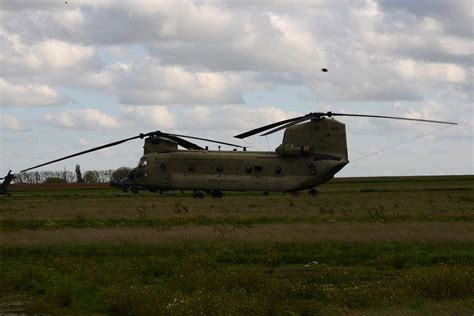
164, 173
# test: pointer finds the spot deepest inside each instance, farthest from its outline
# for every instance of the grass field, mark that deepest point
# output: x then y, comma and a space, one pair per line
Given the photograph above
362, 246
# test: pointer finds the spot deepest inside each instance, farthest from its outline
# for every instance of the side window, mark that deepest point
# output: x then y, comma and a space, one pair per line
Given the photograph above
163, 167
277, 170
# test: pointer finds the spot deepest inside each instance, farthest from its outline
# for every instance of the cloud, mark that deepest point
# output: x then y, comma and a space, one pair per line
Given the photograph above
455, 16
83, 141
155, 116
11, 123
429, 110
85, 119
20, 58
28, 95
231, 117
213, 52
148, 83
413, 70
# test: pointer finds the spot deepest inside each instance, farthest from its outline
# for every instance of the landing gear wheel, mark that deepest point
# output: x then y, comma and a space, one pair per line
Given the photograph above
134, 191
216, 194
265, 193
198, 195
312, 192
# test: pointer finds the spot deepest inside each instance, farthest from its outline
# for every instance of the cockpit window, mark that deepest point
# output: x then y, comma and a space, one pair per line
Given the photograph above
142, 162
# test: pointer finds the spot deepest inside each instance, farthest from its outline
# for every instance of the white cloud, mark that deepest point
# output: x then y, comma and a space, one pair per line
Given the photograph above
148, 83
11, 123
28, 95
47, 57
205, 53
410, 69
83, 141
87, 119
153, 116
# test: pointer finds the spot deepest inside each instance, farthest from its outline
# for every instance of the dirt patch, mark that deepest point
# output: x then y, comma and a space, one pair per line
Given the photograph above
361, 232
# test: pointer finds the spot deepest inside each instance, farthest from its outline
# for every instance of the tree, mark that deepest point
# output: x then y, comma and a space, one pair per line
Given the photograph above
91, 176
120, 173
79, 174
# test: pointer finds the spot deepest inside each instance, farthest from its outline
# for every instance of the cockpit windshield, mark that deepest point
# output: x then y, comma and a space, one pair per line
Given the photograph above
142, 163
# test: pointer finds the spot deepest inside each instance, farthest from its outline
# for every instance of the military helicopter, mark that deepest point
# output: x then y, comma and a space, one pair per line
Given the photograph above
313, 150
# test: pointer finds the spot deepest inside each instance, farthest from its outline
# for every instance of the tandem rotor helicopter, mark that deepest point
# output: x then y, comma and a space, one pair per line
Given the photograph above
313, 150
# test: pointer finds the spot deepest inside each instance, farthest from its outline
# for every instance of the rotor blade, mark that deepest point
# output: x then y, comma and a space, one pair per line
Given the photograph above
286, 125
182, 142
389, 117
86, 151
207, 140
264, 128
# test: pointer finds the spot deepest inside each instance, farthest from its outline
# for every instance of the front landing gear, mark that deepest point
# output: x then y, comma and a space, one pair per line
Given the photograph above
198, 194
312, 192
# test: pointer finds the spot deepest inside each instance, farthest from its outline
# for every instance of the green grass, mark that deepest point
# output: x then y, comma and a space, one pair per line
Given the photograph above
236, 221
226, 276
235, 278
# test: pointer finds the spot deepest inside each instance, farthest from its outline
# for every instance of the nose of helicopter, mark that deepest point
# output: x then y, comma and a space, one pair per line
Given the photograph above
126, 182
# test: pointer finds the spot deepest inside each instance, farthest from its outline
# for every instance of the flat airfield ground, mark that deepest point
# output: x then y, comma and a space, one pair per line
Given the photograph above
373, 246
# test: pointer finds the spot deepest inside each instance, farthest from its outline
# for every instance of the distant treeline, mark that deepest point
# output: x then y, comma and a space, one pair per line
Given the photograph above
89, 176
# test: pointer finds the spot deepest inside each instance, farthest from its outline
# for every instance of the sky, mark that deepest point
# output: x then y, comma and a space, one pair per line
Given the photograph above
78, 74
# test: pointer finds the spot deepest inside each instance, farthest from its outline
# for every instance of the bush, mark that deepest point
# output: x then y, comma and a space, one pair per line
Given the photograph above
54, 180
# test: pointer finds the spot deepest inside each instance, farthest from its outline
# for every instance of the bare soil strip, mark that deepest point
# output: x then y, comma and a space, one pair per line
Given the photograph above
360, 232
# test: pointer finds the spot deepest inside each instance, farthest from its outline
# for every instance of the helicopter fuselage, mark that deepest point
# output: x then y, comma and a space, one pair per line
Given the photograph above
234, 171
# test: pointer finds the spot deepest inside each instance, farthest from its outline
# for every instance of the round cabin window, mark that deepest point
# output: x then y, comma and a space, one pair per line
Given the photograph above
163, 167
219, 168
248, 169
278, 170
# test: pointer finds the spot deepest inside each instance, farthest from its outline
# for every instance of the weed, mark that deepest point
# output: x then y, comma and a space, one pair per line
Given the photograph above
80, 218
271, 259
442, 282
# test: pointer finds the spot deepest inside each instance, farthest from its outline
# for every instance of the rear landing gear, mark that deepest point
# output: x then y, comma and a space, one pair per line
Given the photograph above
198, 194
312, 192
